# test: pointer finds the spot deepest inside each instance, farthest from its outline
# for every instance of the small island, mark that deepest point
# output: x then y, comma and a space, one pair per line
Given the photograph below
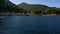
7, 8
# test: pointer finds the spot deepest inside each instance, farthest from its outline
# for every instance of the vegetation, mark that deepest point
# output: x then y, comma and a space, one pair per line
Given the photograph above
7, 6
38, 9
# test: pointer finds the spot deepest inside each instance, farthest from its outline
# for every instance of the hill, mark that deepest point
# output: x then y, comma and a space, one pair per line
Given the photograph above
39, 8
32, 7
6, 5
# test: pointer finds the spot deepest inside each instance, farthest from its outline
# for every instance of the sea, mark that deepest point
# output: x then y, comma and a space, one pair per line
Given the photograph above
30, 25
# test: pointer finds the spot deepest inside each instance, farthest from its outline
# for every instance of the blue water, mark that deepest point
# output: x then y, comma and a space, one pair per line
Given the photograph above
30, 25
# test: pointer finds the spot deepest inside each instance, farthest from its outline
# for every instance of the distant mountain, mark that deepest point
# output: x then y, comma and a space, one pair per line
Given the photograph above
32, 7
39, 8
6, 5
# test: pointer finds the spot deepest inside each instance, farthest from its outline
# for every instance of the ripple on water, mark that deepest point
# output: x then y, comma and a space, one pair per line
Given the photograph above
30, 25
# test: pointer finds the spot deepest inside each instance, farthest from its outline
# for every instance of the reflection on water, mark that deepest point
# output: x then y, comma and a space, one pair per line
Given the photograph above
30, 25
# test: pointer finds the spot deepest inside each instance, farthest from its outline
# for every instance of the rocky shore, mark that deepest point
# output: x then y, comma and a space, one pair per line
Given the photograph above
15, 14
24, 14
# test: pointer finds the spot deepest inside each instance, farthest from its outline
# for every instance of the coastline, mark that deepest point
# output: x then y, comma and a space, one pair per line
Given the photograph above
27, 15
24, 14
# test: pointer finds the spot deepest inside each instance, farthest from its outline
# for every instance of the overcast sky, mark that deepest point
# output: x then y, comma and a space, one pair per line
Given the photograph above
51, 3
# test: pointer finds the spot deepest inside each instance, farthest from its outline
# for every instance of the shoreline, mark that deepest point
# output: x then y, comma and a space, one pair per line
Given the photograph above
29, 15
25, 14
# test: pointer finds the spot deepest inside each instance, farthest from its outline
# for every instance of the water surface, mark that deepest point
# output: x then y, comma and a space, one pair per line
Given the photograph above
30, 25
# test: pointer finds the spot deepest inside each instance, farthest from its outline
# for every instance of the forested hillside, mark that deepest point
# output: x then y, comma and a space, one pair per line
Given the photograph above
7, 6
39, 8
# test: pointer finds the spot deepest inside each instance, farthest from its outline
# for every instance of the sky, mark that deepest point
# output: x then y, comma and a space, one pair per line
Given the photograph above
50, 3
